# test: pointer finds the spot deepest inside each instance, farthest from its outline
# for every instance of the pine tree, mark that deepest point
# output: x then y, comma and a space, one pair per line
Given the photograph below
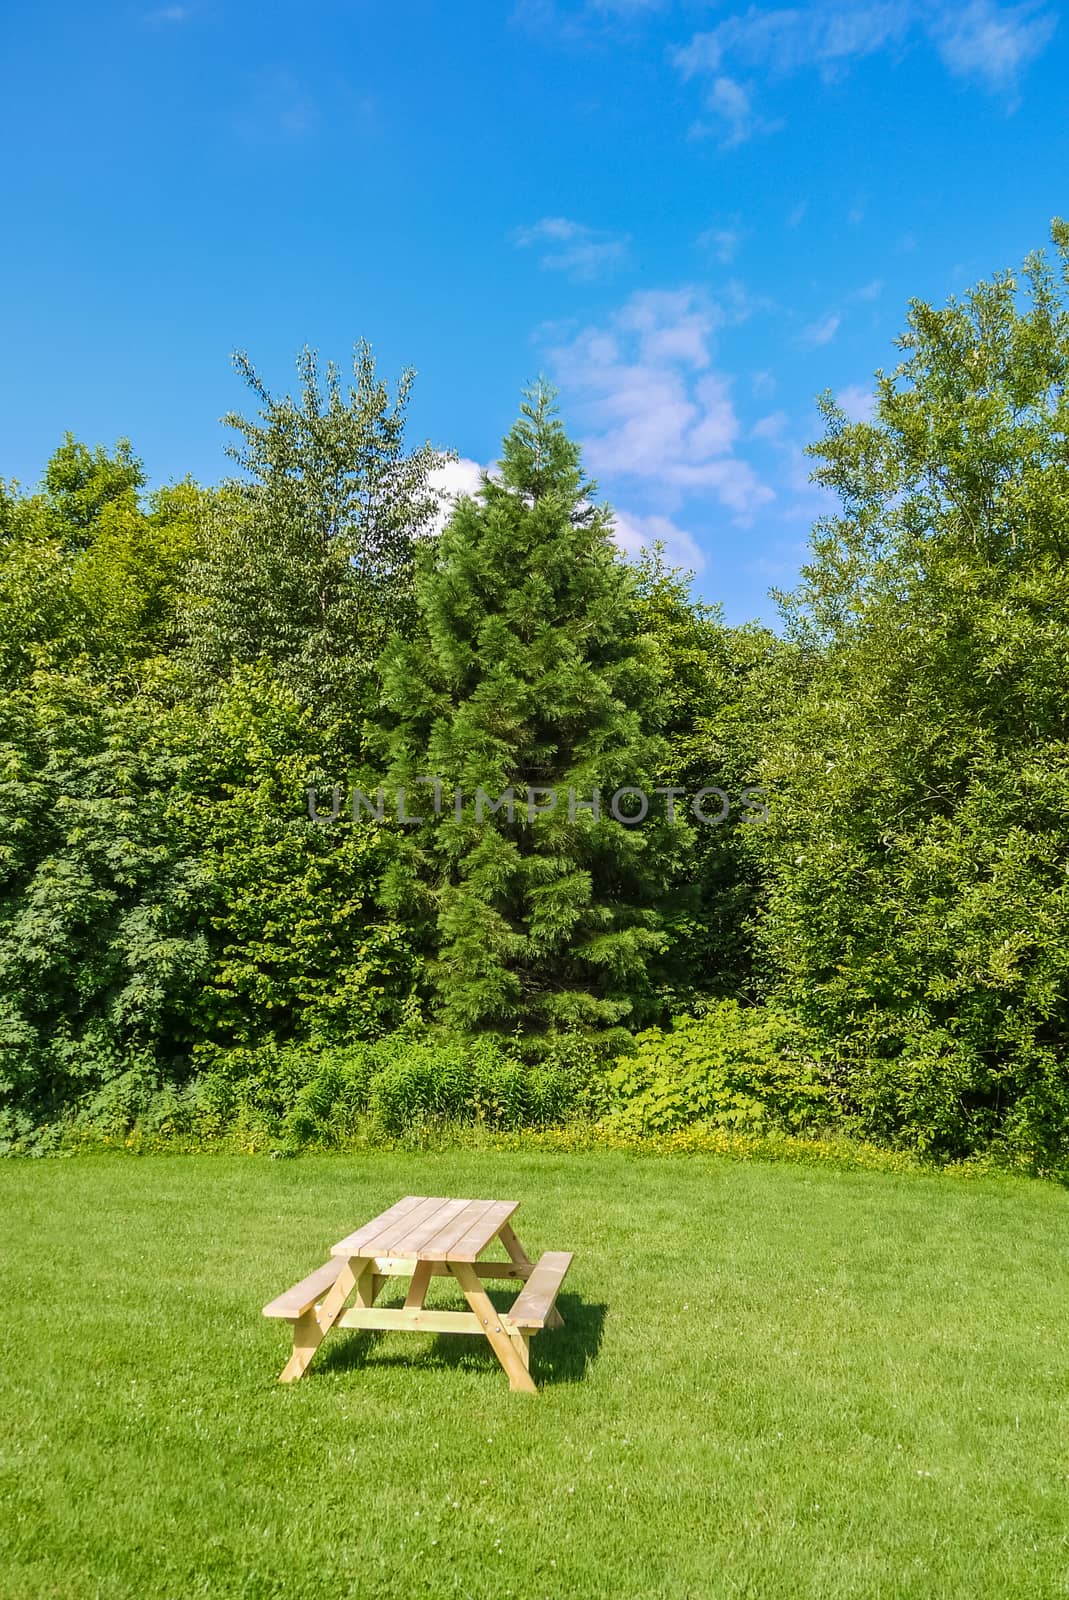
527, 675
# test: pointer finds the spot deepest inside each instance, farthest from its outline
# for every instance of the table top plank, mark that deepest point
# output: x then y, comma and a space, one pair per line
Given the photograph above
415, 1238
439, 1246
412, 1224
354, 1242
482, 1230
429, 1228
469, 1234
400, 1229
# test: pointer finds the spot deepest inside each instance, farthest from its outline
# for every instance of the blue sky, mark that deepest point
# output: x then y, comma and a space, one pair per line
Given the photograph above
693, 217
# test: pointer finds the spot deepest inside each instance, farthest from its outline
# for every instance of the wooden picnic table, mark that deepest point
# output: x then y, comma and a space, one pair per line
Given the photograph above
420, 1238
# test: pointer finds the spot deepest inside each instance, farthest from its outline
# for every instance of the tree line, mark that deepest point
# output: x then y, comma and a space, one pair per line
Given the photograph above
182, 668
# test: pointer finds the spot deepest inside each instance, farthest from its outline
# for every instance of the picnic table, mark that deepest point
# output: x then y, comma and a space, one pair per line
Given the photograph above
419, 1238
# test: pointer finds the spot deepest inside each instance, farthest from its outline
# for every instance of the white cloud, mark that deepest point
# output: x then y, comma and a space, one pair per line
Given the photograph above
451, 480
857, 401
670, 325
635, 533
992, 43
870, 291
655, 411
584, 253
822, 331
980, 40
731, 103
783, 41
797, 214
166, 14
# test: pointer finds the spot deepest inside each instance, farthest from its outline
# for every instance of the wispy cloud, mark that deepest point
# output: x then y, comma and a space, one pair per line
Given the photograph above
980, 40
993, 44
773, 426
655, 410
169, 14
626, 8
635, 533
782, 42
858, 402
583, 253
870, 291
722, 242
821, 332
731, 105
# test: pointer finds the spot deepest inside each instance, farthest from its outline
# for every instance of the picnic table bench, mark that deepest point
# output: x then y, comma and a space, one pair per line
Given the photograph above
419, 1238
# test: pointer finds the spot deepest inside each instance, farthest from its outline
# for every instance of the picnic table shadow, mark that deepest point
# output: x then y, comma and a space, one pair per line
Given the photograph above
558, 1355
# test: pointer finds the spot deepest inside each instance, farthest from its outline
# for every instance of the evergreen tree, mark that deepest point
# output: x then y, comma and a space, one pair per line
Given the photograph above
528, 676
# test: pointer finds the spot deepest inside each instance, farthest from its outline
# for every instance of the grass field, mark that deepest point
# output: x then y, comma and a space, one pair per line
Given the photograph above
774, 1381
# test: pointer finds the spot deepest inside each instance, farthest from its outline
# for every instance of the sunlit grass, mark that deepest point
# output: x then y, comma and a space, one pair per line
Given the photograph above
774, 1381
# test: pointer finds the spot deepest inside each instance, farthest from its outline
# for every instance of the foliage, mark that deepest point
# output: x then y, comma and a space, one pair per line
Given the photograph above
715, 696
298, 948
405, 1084
90, 579
100, 953
732, 1068
185, 951
309, 558
80, 483
917, 915
526, 677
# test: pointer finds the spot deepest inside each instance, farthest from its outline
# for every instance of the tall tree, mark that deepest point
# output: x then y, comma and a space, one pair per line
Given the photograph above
310, 556
92, 578
918, 916
80, 482
527, 676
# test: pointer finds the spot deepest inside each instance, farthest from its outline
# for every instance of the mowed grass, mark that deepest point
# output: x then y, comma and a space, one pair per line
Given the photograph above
774, 1381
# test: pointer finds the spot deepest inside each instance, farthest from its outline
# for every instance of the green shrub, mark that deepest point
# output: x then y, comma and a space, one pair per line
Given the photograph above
733, 1068
101, 955
401, 1083
398, 1087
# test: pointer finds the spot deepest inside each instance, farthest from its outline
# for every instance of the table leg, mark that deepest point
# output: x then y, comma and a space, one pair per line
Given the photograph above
310, 1330
368, 1285
417, 1289
510, 1349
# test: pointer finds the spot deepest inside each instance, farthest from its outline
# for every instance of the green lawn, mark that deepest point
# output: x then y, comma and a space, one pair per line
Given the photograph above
773, 1381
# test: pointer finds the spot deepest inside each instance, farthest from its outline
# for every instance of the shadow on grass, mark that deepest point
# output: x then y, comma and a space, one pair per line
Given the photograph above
558, 1355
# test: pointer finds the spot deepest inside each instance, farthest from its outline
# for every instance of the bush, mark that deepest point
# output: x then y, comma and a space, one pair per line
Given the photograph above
101, 955
399, 1084
734, 1068
398, 1087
